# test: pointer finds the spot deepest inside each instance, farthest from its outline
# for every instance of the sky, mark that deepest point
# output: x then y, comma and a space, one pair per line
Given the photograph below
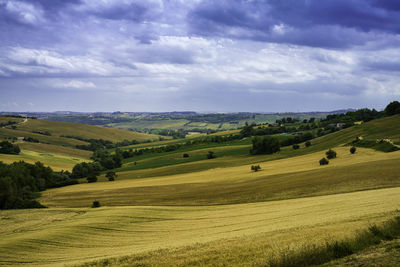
205, 56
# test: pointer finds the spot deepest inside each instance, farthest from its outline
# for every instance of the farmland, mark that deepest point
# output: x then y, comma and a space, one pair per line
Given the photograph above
164, 209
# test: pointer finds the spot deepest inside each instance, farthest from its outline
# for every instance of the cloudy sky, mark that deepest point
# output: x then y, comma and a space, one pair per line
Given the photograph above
242, 55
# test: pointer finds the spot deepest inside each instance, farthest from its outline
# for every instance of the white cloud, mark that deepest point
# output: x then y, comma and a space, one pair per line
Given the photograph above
24, 12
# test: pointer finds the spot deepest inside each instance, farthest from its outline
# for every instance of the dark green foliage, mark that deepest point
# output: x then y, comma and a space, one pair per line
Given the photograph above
255, 168
353, 150
42, 133
20, 182
297, 139
296, 146
393, 108
330, 154
211, 155
380, 145
31, 139
84, 169
323, 161
4, 124
307, 144
96, 204
8, 148
185, 155
247, 130
111, 175
265, 145
352, 116
92, 178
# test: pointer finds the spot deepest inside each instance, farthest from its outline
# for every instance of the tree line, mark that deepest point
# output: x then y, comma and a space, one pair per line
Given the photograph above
20, 183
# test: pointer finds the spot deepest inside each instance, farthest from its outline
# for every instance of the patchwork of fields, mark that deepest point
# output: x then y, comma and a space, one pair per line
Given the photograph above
174, 211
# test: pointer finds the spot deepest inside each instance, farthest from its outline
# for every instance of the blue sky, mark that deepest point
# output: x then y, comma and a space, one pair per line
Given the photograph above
223, 56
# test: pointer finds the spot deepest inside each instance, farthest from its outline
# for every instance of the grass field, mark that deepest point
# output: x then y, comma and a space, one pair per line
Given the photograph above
59, 236
60, 129
55, 150
171, 211
56, 161
280, 179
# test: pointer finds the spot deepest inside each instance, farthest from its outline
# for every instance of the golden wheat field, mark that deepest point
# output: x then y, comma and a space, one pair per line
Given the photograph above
57, 236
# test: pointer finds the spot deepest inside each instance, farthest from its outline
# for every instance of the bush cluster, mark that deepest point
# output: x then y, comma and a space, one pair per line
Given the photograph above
8, 148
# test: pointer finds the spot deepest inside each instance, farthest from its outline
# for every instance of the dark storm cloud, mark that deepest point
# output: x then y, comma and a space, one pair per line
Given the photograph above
316, 23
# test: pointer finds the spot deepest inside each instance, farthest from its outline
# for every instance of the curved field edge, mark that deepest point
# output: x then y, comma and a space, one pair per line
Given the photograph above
280, 179
59, 236
237, 153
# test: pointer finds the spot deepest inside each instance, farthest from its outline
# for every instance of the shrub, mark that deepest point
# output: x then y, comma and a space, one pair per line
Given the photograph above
186, 155
111, 175
91, 178
96, 204
308, 143
296, 146
323, 161
353, 150
211, 155
330, 154
255, 167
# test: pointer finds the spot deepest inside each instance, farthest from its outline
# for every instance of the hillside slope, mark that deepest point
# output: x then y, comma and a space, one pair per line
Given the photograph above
58, 140
56, 237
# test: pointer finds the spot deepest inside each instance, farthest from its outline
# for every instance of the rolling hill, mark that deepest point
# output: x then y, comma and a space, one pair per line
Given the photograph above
57, 141
165, 211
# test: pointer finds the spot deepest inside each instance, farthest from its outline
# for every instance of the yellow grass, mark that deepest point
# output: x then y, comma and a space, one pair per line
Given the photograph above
59, 236
280, 179
56, 161
61, 150
83, 130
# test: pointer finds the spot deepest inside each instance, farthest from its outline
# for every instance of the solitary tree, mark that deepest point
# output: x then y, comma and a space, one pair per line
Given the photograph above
331, 154
308, 143
323, 161
210, 155
96, 204
255, 167
353, 150
296, 146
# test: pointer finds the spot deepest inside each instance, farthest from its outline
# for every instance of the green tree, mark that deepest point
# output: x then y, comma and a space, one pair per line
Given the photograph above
331, 154
8, 148
353, 150
211, 155
393, 108
323, 161
265, 145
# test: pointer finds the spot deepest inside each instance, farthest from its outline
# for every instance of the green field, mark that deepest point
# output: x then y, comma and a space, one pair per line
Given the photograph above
56, 150
173, 211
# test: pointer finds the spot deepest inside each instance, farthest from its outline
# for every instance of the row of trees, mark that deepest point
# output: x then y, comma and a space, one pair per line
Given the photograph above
102, 160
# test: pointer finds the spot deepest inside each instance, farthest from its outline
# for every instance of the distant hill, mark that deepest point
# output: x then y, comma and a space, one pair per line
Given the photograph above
54, 143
